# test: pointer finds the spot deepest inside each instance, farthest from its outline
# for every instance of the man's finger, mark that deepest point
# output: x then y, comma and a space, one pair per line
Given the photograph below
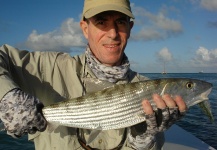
180, 103
159, 101
169, 101
147, 107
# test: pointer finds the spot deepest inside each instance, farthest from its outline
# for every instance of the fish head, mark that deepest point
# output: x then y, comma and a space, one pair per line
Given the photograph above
196, 92
192, 91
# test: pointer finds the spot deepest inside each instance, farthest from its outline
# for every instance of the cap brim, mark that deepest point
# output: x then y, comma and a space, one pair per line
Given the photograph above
108, 7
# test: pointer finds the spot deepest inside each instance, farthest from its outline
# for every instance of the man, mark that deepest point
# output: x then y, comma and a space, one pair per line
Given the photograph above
29, 79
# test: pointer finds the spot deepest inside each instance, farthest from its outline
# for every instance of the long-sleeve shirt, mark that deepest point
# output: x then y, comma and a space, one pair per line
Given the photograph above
53, 77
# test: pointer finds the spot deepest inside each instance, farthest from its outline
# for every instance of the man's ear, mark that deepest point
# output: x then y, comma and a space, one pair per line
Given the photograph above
84, 28
130, 26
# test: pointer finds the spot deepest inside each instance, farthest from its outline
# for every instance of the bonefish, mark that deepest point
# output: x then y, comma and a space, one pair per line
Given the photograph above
120, 106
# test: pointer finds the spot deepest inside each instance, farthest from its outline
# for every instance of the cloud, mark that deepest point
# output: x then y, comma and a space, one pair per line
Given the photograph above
209, 4
64, 39
212, 24
154, 26
205, 58
148, 26
164, 55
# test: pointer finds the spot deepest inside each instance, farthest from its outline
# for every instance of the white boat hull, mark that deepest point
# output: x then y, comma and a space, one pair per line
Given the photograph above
177, 138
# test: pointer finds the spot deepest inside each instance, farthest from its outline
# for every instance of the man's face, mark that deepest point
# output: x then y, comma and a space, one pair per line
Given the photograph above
107, 34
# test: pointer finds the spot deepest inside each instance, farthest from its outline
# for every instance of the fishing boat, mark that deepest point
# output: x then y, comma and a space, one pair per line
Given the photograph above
164, 71
177, 138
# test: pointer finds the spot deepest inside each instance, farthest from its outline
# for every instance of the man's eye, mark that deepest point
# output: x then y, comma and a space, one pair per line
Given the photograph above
121, 22
100, 22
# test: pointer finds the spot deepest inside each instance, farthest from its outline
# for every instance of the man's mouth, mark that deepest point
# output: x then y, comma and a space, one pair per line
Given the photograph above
111, 45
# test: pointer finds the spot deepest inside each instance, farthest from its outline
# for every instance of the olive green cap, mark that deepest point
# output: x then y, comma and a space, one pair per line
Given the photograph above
93, 7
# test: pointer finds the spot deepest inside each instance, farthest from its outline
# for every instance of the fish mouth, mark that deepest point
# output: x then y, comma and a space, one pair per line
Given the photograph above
202, 97
205, 94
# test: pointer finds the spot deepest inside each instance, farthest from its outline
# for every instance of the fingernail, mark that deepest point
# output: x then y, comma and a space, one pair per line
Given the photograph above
145, 102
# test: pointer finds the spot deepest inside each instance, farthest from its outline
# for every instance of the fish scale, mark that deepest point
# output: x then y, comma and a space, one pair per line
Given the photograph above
117, 115
93, 104
96, 108
120, 106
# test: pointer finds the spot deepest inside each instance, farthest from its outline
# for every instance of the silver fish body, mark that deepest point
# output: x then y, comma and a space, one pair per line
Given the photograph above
120, 106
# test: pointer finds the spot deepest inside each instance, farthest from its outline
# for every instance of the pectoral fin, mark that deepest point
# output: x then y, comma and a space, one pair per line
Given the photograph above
51, 127
93, 135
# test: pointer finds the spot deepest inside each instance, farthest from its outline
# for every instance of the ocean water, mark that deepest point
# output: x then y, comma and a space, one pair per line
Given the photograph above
194, 122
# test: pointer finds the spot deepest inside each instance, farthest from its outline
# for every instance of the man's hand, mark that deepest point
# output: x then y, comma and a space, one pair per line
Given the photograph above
169, 111
21, 113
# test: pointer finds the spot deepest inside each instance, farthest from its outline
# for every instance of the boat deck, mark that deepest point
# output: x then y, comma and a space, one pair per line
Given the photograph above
179, 139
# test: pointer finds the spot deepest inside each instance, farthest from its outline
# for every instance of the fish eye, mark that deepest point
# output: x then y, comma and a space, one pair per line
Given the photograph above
189, 85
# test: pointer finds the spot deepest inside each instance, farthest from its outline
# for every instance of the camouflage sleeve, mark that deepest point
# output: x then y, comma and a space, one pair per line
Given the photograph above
141, 142
152, 126
21, 113
146, 140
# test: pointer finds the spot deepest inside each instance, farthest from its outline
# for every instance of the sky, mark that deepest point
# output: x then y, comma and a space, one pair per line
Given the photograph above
182, 34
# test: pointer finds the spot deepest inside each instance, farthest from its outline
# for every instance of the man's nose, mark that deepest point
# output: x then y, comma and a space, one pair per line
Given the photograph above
113, 32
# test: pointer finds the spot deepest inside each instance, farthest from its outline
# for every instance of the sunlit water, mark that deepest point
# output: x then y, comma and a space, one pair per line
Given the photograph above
194, 122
